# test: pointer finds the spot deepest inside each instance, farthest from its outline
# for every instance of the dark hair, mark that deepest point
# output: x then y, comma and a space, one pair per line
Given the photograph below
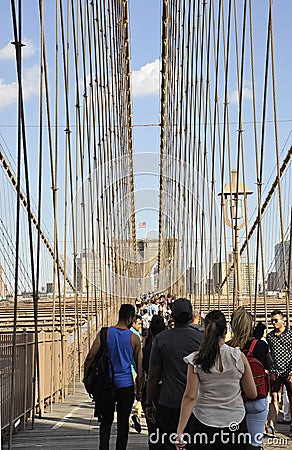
215, 327
126, 311
137, 317
277, 312
156, 325
259, 330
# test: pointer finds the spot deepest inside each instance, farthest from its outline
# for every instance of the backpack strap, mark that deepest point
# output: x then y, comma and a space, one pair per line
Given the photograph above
251, 347
103, 337
103, 340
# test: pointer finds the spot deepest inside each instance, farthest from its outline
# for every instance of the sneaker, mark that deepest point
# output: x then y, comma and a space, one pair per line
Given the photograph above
136, 423
270, 431
284, 422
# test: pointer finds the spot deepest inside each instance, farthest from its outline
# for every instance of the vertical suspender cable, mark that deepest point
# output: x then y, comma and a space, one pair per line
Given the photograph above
163, 124
21, 141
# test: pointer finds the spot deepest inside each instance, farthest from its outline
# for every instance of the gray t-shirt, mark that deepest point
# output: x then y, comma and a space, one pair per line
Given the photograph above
168, 350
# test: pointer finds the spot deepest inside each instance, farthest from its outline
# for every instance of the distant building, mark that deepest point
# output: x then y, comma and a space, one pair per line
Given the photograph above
280, 257
247, 278
210, 286
273, 282
49, 288
220, 271
88, 273
190, 280
3, 290
147, 263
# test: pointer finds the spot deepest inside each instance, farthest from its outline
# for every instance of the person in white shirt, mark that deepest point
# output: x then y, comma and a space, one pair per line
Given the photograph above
212, 398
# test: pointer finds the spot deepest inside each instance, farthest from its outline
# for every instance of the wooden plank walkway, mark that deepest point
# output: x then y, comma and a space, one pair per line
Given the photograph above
71, 425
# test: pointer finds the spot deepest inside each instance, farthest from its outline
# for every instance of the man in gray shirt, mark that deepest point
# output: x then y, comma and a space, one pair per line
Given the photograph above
167, 366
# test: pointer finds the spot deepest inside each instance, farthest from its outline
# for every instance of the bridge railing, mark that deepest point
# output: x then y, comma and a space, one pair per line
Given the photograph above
59, 367
22, 396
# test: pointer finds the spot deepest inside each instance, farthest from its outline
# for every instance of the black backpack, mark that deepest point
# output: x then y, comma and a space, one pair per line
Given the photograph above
98, 382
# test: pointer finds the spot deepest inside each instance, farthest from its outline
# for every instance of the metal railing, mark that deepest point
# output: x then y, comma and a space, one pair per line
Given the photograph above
54, 375
60, 366
23, 385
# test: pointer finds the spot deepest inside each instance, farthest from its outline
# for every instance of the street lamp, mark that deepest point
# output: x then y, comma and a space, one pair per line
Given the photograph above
231, 200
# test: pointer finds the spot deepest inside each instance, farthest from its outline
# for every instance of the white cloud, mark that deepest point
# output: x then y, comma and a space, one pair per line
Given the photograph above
246, 94
31, 81
8, 92
146, 80
8, 52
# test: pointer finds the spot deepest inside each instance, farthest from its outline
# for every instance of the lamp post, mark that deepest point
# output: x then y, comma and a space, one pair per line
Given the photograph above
231, 200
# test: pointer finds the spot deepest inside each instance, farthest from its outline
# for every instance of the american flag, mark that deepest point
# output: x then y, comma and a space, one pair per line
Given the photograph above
142, 225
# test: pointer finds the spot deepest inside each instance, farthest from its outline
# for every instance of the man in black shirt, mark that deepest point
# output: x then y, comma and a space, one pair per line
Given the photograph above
280, 344
167, 365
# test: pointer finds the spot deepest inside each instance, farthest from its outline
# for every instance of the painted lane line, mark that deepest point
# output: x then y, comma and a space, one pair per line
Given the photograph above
63, 421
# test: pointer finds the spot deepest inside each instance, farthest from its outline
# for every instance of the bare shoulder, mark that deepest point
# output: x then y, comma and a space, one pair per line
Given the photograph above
135, 340
243, 357
245, 361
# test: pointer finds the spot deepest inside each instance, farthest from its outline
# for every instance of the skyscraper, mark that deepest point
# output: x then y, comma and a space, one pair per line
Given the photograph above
282, 260
88, 272
220, 271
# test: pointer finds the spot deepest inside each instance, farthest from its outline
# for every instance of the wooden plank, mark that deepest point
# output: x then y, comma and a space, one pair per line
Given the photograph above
71, 425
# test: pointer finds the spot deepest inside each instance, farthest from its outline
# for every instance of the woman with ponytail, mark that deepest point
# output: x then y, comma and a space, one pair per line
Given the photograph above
242, 337
212, 398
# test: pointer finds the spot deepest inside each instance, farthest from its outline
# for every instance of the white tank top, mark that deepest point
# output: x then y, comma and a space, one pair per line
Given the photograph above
219, 401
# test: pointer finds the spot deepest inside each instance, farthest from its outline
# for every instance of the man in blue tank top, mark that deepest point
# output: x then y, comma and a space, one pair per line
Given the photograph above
123, 347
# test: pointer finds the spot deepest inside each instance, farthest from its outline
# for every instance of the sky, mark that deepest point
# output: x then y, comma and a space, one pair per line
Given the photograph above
145, 19
145, 53
145, 34
146, 48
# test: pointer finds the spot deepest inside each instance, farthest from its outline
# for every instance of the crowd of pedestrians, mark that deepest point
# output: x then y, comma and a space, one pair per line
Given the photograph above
196, 388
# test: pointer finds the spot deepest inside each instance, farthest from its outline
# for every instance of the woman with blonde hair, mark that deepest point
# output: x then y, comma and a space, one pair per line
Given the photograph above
242, 337
213, 400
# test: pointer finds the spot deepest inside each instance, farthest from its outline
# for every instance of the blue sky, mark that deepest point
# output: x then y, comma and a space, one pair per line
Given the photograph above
146, 48
145, 32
